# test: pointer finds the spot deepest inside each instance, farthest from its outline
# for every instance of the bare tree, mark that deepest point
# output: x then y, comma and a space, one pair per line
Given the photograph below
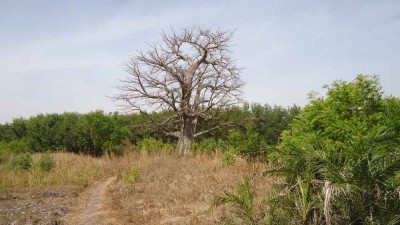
191, 73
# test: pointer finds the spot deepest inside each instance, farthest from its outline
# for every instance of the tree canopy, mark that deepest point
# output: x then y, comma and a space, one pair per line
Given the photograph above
341, 157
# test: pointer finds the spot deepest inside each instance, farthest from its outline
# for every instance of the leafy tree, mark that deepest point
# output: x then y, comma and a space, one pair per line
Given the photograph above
247, 143
344, 148
7, 133
41, 130
73, 134
271, 121
19, 126
105, 132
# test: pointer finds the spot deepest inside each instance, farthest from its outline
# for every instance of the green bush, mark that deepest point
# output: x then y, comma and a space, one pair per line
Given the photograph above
132, 176
46, 162
228, 158
21, 162
270, 121
341, 159
15, 147
205, 145
113, 149
247, 143
210, 145
2, 156
152, 145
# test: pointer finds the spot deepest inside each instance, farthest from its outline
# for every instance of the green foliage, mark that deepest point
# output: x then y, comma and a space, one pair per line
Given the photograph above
247, 143
210, 145
132, 176
41, 130
106, 132
205, 145
228, 158
269, 122
152, 145
14, 147
235, 118
94, 133
98, 133
243, 200
73, 134
21, 162
340, 158
2, 156
46, 162
7, 134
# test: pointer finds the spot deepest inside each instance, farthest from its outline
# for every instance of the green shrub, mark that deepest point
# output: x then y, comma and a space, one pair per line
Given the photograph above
247, 143
210, 145
45, 163
113, 149
205, 145
341, 159
2, 156
228, 158
151, 145
132, 176
21, 162
15, 147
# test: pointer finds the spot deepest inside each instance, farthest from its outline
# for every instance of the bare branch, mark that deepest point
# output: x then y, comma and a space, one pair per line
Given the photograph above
190, 73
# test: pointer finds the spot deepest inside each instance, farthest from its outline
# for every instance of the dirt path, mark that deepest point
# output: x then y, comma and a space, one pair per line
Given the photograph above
95, 206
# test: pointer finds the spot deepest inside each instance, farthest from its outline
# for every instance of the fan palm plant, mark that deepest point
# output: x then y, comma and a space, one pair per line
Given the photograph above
353, 182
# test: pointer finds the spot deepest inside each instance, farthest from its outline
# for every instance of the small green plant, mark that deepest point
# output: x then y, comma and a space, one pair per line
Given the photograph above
242, 199
22, 162
132, 176
152, 145
45, 162
228, 158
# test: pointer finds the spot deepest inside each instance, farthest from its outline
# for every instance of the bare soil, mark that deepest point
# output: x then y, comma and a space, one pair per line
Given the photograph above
95, 211
48, 206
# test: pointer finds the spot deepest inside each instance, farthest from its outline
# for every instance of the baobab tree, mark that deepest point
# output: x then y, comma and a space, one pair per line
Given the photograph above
191, 74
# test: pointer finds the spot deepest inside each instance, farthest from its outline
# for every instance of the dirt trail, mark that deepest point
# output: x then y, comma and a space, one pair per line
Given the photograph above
95, 206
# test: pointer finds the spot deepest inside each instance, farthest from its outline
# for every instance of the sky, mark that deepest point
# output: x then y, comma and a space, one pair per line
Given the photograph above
58, 56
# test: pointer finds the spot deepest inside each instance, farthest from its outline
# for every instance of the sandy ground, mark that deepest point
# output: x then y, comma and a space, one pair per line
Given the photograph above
49, 206
59, 205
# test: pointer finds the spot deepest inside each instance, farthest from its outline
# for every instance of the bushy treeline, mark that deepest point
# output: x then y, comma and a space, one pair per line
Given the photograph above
341, 159
93, 133
251, 129
339, 162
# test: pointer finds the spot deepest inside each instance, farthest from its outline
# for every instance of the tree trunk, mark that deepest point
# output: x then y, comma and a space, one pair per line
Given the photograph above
186, 136
184, 146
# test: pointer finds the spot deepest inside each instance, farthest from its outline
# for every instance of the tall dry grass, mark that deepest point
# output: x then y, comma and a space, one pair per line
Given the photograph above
69, 169
165, 188
181, 190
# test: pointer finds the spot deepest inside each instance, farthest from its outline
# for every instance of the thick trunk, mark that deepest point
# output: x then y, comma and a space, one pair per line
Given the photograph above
184, 146
186, 136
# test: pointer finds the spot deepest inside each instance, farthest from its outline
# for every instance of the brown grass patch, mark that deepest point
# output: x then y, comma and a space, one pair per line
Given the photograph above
69, 169
180, 190
166, 189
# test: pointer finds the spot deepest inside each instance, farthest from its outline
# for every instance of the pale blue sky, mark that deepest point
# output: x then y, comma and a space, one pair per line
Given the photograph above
58, 56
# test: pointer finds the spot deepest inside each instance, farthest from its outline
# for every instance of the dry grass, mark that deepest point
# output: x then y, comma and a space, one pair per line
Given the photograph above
174, 190
168, 189
69, 169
